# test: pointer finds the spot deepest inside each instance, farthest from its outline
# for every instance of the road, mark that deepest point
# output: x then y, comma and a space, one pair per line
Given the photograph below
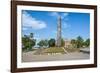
30, 57
85, 50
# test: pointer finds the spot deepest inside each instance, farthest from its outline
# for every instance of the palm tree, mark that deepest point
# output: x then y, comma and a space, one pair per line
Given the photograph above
87, 43
31, 35
28, 42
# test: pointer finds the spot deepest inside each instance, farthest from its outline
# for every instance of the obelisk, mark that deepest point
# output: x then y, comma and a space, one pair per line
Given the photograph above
58, 41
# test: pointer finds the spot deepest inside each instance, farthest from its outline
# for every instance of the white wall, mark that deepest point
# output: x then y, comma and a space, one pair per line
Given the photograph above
5, 36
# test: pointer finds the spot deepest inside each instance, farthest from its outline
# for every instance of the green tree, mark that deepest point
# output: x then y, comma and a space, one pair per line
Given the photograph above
31, 41
25, 42
51, 42
79, 42
73, 42
62, 42
28, 42
87, 43
43, 43
31, 35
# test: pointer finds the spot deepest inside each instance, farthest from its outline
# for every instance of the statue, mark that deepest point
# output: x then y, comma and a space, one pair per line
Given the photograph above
58, 41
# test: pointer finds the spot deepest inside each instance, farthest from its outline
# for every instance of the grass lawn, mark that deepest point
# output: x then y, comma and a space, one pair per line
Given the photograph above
28, 50
72, 50
53, 50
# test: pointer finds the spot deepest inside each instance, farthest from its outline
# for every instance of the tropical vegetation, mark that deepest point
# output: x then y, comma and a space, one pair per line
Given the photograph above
28, 42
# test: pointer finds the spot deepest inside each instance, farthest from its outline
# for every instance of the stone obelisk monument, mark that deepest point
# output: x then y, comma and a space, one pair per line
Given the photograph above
58, 41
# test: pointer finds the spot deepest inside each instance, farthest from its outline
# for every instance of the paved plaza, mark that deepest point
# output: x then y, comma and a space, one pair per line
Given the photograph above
30, 57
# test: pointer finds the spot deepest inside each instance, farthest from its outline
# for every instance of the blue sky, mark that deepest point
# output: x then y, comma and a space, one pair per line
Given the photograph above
44, 24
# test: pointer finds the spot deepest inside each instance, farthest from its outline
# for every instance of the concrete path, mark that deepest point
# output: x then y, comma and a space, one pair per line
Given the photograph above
65, 50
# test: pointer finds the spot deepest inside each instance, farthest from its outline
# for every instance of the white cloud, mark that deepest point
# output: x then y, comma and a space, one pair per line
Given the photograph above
24, 28
65, 25
64, 15
56, 14
29, 21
